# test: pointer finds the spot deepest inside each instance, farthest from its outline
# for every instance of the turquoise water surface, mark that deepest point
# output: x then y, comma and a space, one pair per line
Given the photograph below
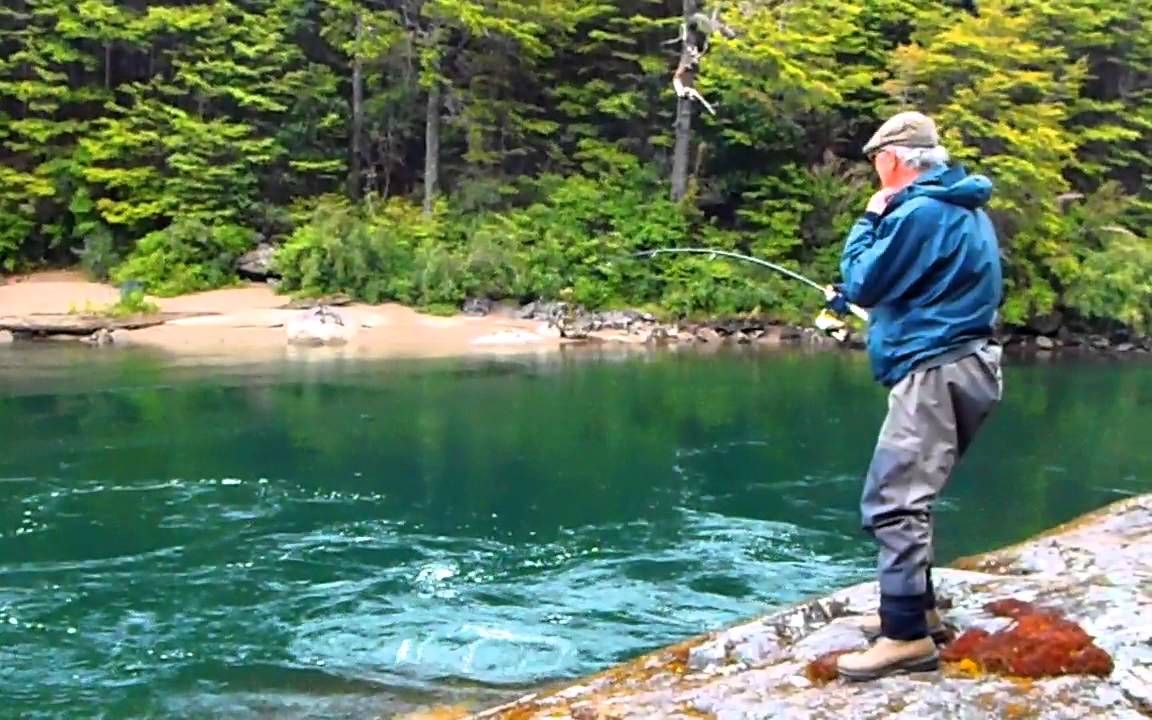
354, 539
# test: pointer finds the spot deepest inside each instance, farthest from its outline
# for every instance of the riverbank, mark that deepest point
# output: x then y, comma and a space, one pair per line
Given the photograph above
253, 323
1094, 571
248, 322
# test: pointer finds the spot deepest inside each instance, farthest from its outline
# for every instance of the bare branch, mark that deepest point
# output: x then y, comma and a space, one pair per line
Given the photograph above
695, 33
679, 38
687, 91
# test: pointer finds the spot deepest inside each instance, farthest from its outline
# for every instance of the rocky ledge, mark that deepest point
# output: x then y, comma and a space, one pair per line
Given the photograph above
637, 327
1095, 572
641, 328
1119, 342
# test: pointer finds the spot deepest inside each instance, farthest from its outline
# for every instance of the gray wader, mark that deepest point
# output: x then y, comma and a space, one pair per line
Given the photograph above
933, 415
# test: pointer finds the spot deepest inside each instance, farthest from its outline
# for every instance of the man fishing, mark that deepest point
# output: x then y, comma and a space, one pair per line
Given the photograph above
924, 260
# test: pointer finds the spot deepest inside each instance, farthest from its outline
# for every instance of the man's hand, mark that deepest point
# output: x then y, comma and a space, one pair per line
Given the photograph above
836, 302
879, 201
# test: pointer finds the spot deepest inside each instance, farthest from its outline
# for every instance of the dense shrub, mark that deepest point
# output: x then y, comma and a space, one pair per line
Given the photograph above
187, 256
577, 242
556, 134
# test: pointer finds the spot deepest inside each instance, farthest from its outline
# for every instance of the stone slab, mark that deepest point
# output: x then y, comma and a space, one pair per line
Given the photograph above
1097, 570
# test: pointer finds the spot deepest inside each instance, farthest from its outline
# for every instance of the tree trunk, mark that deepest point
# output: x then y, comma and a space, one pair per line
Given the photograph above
431, 147
682, 149
355, 183
680, 152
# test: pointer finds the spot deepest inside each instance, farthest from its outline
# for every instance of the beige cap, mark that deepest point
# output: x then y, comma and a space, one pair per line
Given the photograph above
910, 129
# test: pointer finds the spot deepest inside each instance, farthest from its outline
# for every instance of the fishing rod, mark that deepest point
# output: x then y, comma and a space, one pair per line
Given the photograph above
855, 310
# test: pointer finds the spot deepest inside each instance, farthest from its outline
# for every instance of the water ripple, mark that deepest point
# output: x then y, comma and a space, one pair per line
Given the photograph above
351, 540
374, 598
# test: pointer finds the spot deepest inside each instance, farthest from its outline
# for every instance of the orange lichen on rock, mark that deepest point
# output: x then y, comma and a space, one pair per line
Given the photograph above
965, 668
677, 659
1011, 608
823, 669
1040, 643
523, 712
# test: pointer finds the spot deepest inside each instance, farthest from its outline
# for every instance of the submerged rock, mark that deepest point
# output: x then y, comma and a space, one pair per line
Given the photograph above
103, 336
1083, 586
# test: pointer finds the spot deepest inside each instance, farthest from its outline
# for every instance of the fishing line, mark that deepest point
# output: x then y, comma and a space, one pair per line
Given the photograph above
857, 311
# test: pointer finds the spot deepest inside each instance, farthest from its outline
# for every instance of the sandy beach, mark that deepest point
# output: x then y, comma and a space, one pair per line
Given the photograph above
248, 322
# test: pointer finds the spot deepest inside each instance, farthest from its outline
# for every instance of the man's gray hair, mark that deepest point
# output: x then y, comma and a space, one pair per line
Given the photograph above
921, 158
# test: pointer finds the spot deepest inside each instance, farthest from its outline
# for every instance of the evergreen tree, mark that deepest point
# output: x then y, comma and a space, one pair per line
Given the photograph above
427, 150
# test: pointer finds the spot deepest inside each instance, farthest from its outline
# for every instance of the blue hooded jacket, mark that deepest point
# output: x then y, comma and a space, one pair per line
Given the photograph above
927, 269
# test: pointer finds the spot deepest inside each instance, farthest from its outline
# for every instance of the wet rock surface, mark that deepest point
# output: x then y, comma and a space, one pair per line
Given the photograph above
1096, 572
575, 322
639, 327
1067, 341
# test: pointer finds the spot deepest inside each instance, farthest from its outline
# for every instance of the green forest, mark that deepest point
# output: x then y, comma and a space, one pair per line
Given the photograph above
430, 151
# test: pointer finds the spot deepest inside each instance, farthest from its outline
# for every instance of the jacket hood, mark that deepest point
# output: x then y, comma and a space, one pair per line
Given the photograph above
951, 185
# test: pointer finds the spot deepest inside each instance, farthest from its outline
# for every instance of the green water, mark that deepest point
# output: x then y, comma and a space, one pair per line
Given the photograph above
350, 540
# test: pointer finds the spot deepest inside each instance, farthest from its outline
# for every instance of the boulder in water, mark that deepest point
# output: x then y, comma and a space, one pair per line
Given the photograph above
103, 336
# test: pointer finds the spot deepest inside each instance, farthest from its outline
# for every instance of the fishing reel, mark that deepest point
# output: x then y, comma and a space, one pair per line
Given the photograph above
832, 325
831, 320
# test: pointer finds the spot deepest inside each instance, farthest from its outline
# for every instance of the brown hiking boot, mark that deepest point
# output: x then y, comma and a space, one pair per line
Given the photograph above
887, 657
940, 631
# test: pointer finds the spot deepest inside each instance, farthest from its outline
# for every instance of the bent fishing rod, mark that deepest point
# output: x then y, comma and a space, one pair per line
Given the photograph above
857, 311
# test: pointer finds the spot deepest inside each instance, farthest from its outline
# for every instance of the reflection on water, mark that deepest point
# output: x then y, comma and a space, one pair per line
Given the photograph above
355, 539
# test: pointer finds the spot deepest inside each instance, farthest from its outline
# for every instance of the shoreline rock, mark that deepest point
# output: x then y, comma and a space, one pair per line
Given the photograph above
259, 263
1094, 570
638, 327
557, 325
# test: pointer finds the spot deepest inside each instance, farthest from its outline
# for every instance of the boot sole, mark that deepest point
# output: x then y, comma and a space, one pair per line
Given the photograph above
916, 665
